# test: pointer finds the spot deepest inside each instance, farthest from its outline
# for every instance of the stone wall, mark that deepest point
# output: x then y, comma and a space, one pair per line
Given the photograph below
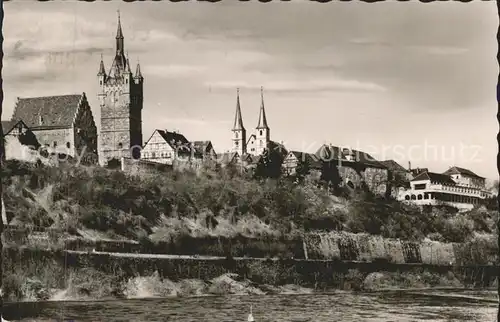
138, 167
63, 138
368, 248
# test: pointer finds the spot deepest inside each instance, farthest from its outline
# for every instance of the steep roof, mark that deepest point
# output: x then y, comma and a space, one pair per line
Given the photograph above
202, 146
226, 157
273, 145
458, 170
238, 119
262, 115
49, 111
435, 177
176, 141
311, 158
7, 126
335, 153
393, 166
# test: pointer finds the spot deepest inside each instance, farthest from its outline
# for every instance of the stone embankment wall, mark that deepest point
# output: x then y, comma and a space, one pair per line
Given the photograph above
332, 246
368, 248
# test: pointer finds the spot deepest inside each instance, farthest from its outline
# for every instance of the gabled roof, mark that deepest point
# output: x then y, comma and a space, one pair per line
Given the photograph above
49, 111
202, 146
458, 170
335, 153
311, 158
176, 141
273, 145
226, 157
393, 166
8, 126
435, 177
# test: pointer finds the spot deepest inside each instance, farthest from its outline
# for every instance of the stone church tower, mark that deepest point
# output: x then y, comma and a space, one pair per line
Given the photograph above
239, 132
263, 133
121, 100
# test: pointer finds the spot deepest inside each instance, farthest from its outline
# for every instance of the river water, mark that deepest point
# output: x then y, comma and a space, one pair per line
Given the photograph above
339, 306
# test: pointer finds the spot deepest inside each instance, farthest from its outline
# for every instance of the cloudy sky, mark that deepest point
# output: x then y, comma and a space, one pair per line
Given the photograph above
398, 80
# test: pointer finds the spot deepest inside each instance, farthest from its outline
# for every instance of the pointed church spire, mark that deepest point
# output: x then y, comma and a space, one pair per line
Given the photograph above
119, 37
138, 73
262, 116
128, 65
101, 72
238, 120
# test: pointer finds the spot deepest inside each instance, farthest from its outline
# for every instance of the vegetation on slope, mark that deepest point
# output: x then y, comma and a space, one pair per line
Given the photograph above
165, 206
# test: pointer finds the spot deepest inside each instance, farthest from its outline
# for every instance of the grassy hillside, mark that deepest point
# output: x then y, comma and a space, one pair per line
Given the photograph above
166, 206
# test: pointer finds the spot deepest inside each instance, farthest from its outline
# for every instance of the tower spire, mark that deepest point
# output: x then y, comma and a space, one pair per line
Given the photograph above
238, 120
262, 116
119, 37
101, 72
138, 73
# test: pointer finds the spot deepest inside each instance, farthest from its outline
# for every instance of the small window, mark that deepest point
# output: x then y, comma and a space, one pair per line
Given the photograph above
55, 144
236, 134
237, 143
120, 145
68, 145
260, 132
153, 155
100, 82
260, 142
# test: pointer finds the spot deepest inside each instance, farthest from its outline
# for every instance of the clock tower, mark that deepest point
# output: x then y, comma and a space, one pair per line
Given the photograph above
121, 100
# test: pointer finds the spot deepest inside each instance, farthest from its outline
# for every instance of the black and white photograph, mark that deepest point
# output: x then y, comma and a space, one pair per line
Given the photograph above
249, 161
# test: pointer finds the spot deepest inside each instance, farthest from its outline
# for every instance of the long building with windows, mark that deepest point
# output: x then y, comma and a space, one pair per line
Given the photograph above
457, 187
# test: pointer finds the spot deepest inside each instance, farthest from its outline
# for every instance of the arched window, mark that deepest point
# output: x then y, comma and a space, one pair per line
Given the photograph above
407, 197
120, 145
261, 143
55, 144
419, 197
260, 132
68, 145
236, 134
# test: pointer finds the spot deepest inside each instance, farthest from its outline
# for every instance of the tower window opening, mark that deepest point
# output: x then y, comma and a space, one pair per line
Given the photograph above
260, 132
236, 133
68, 145
100, 82
120, 145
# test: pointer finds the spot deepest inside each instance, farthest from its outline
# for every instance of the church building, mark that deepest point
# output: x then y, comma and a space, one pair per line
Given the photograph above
121, 100
259, 140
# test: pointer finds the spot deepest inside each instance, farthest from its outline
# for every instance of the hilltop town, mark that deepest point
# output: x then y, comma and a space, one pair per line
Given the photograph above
64, 125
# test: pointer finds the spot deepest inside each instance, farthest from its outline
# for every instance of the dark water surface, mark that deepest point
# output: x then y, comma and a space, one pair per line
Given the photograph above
341, 306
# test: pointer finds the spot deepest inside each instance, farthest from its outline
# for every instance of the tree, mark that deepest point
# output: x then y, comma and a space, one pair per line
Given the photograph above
269, 165
303, 169
330, 176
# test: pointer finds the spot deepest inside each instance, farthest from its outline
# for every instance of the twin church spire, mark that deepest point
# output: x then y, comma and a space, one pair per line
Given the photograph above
257, 141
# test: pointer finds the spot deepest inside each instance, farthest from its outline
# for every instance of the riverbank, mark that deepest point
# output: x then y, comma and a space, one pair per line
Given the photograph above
34, 275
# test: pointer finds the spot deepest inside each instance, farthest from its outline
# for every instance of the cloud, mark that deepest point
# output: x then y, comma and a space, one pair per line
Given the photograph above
326, 85
441, 50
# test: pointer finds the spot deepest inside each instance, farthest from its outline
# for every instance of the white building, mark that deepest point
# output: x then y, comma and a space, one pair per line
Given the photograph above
457, 187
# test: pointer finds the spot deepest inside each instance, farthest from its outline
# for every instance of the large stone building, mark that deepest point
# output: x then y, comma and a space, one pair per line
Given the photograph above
121, 100
62, 124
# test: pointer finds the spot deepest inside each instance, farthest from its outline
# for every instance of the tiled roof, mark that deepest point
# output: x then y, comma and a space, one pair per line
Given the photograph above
7, 126
335, 153
393, 166
202, 146
458, 170
226, 157
49, 111
176, 141
312, 159
435, 177
272, 145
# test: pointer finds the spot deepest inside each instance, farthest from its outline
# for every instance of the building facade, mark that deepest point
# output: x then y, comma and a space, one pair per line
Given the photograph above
457, 187
121, 102
62, 124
